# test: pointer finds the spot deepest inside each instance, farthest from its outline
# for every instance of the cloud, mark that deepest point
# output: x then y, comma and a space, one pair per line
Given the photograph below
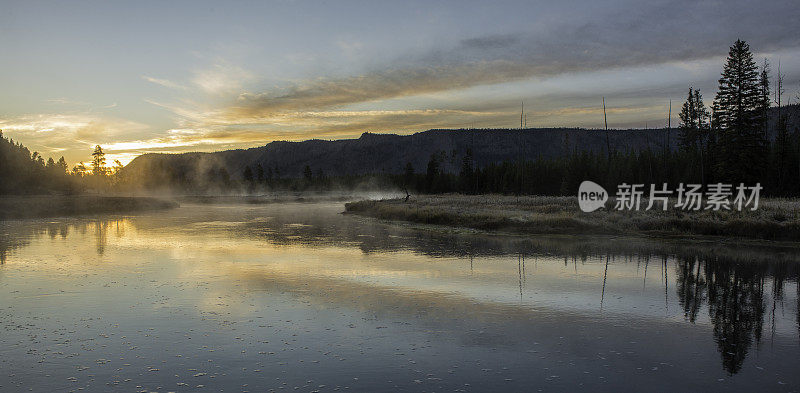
647, 34
222, 78
164, 82
561, 63
328, 93
490, 42
72, 135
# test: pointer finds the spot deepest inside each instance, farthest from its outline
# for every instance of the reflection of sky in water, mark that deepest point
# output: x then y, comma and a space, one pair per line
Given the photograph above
205, 285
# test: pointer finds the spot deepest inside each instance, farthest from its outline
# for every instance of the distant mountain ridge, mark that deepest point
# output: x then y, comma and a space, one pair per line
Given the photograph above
389, 153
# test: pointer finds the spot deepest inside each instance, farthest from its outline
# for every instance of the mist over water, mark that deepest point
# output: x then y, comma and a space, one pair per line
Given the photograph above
259, 296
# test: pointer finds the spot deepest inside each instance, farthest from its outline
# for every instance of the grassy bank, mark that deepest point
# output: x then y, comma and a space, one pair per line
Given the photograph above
776, 219
15, 207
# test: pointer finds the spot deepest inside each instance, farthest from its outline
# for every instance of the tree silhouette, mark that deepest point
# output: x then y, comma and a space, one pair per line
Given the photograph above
742, 146
249, 181
23, 172
693, 137
259, 173
432, 174
736, 309
763, 98
98, 161
62, 165
691, 287
467, 174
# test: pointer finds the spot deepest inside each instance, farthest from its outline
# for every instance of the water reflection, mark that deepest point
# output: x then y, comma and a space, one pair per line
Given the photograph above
17, 234
461, 281
736, 307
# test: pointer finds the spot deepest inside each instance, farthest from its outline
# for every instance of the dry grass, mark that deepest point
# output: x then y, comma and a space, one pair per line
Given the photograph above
777, 219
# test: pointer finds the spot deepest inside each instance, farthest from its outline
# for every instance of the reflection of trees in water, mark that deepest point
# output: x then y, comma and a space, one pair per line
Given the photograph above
100, 236
691, 287
736, 309
18, 234
9, 241
734, 292
727, 278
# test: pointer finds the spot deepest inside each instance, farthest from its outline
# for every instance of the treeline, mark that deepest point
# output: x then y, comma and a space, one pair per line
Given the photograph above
26, 172
562, 176
23, 172
728, 144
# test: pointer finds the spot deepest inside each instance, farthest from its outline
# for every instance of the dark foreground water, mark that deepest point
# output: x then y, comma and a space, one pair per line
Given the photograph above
298, 297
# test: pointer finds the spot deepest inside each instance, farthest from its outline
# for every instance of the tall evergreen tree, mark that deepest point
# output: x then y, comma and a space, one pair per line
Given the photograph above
249, 180
742, 146
688, 126
260, 173
62, 165
467, 174
694, 130
764, 101
695, 121
247, 174
98, 161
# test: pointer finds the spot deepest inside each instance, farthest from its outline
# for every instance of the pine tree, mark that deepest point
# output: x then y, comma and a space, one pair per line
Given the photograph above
62, 165
249, 182
688, 126
763, 97
247, 174
432, 173
694, 121
742, 146
260, 173
467, 174
98, 161
694, 129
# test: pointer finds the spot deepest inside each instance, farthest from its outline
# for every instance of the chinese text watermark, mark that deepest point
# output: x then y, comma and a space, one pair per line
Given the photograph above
716, 196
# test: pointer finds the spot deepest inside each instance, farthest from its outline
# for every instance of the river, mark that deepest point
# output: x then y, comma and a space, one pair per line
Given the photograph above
296, 296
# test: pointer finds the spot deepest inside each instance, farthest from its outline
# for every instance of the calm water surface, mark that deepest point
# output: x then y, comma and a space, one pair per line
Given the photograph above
299, 297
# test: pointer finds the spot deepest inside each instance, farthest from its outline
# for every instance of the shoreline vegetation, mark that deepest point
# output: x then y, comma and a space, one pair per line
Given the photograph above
775, 219
42, 206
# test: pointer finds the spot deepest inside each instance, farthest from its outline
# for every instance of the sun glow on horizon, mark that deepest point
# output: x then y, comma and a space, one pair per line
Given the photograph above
245, 87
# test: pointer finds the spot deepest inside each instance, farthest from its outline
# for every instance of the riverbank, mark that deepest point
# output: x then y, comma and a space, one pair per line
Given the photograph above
284, 197
775, 219
39, 206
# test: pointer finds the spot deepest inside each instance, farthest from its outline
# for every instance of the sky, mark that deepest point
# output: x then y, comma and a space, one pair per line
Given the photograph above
178, 76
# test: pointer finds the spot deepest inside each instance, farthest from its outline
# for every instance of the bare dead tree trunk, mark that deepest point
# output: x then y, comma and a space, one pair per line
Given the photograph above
605, 121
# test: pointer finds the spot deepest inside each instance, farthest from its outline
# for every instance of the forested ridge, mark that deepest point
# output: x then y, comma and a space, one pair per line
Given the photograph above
746, 134
26, 172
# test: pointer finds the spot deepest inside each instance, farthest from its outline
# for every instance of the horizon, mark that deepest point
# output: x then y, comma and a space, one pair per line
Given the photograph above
299, 71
